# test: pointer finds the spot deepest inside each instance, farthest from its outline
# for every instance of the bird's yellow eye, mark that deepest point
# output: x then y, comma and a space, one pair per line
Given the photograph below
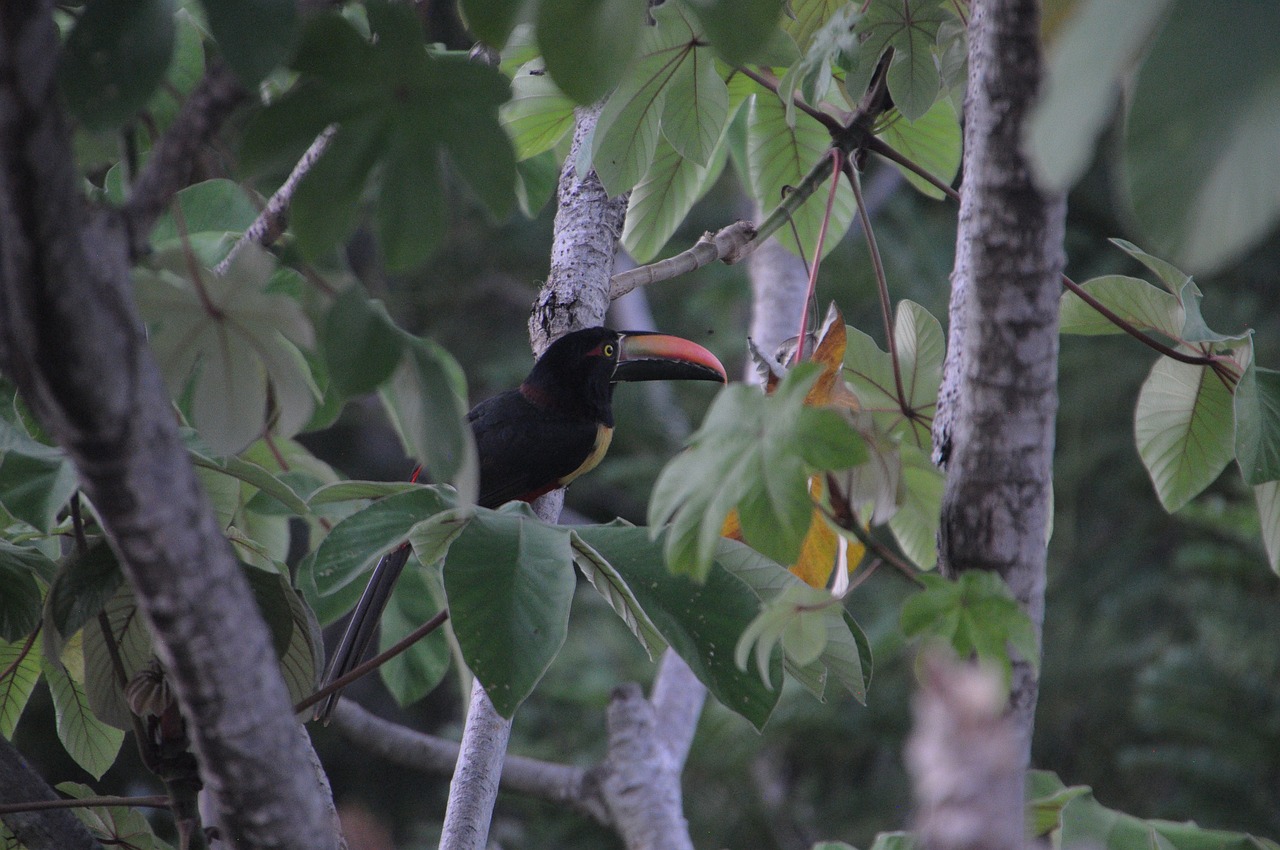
608, 349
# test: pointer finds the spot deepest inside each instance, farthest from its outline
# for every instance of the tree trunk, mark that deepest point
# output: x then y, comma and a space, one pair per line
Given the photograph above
996, 410
72, 341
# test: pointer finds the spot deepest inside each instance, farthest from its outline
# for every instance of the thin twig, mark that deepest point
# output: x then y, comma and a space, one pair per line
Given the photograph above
153, 801
838, 162
273, 219
373, 663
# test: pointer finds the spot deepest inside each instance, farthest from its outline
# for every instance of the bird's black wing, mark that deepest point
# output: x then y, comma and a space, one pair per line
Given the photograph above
524, 448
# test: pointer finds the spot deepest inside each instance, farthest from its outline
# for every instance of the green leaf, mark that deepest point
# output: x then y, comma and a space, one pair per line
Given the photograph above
114, 826
509, 579
233, 343
626, 134
362, 345
779, 155
1184, 427
807, 17
538, 115
975, 615
1203, 108
1257, 413
537, 181
492, 20
1087, 64
81, 589
36, 482
114, 58
910, 29
410, 220
1142, 305
895, 841
418, 670
701, 622
660, 202
846, 655
19, 672
256, 476
588, 43
932, 141
186, 70
327, 200
133, 648
432, 537
915, 523
610, 584
92, 743
756, 453
739, 30
869, 372
696, 107
425, 402
254, 35
350, 491
356, 543
295, 632
1268, 499
461, 103
213, 216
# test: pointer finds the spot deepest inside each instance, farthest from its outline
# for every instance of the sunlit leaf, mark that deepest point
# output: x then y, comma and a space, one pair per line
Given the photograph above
1185, 429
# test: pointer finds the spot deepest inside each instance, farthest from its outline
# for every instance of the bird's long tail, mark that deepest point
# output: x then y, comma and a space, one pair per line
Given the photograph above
364, 623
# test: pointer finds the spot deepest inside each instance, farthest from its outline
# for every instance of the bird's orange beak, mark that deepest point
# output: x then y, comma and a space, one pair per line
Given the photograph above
648, 356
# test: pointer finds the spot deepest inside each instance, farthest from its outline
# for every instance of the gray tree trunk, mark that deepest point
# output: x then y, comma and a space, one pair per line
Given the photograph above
72, 341
995, 426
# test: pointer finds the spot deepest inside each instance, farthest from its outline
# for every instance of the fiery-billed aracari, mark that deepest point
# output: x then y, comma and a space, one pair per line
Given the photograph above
542, 435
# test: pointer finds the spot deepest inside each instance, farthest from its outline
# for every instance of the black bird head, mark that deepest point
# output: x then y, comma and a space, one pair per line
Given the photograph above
577, 372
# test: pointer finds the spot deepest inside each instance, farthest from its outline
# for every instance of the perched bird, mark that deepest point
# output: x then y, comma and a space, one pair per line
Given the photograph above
542, 435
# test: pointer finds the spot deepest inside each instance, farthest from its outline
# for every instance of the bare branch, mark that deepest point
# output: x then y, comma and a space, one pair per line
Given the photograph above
474, 788
730, 244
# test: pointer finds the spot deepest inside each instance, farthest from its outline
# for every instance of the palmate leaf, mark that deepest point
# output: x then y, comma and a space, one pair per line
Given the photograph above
807, 17
588, 43
1267, 497
932, 141
869, 371
233, 344
114, 826
538, 115
254, 36
660, 202
741, 31
673, 63
779, 155
357, 323
20, 670
1138, 302
755, 453
1184, 425
90, 741
1257, 414
910, 29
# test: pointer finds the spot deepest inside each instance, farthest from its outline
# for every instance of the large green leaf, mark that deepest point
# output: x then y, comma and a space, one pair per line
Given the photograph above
254, 35
755, 453
114, 826
807, 17
208, 218
910, 29
779, 155
36, 480
82, 587
626, 134
610, 584
1204, 109
19, 672
295, 633
915, 523
356, 543
492, 20
588, 43
415, 672
114, 58
1087, 64
696, 108
425, 401
741, 31
538, 114
932, 141
1181, 284
361, 343
1185, 429
132, 647
701, 622
509, 579
1267, 497
232, 343
326, 204
869, 371
660, 202
90, 741
1142, 305
1257, 412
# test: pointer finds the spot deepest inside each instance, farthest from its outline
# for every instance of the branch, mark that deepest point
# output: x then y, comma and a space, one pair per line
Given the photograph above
555, 783
38, 830
169, 167
728, 244
71, 340
474, 788
274, 218
965, 761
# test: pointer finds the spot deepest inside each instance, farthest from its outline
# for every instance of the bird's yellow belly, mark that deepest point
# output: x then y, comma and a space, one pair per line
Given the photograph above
604, 436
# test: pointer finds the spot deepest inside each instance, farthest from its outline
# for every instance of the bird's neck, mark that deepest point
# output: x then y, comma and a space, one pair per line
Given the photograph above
587, 402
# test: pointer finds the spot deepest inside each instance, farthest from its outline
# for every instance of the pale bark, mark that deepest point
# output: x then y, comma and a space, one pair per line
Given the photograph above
72, 341
1000, 387
474, 788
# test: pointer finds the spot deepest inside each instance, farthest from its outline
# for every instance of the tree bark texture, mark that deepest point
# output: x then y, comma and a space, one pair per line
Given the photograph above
54, 829
72, 341
1000, 386
964, 757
